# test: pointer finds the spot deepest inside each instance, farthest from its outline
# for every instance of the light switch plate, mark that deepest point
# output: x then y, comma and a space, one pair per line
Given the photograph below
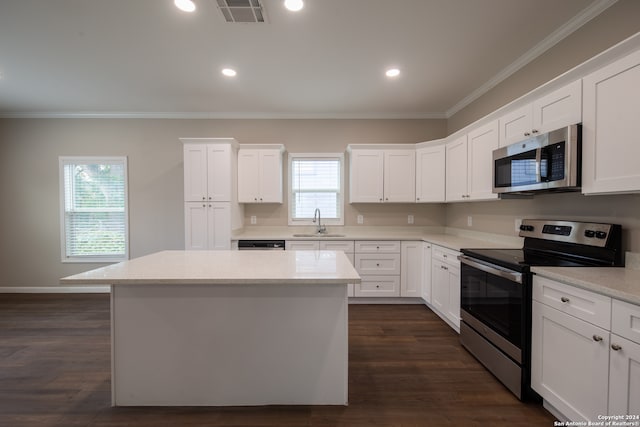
254, 220
469, 221
360, 219
410, 219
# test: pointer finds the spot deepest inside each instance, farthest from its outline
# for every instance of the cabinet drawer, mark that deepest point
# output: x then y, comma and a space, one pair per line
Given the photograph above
379, 264
302, 245
625, 320
586, 305
445, 255
392, 246
344, 246
378, 286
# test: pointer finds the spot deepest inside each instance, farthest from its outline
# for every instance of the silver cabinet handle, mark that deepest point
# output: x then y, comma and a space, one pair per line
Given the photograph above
417, 198
564, 299
377, 265
534, 131
527, 134
204, 206
209, 197
616, 347
597, 338
204, 198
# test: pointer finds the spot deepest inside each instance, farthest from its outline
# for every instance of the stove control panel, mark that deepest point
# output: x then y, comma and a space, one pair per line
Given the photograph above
584, 233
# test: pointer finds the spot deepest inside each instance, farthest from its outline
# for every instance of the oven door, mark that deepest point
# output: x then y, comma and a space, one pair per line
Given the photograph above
491, 301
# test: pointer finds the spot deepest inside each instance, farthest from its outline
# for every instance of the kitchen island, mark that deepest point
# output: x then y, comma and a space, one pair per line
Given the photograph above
228, 327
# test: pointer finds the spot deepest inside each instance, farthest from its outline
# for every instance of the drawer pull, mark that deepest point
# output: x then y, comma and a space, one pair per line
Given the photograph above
597, 338
378, 286
616, 347
564, 299
444, 255
378, 265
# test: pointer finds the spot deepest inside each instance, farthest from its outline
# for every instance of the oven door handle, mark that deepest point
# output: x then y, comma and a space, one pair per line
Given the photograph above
492, 269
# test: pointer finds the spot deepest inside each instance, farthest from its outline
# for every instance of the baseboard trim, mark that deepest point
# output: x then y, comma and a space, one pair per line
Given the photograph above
55, 290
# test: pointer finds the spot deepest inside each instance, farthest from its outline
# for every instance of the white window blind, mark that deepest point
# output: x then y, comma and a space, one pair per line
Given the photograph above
316, 183
94, 209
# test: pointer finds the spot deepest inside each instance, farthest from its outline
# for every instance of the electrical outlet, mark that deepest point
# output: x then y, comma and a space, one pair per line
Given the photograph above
469, 221
518, 224
360, 219
254, 220
410, 219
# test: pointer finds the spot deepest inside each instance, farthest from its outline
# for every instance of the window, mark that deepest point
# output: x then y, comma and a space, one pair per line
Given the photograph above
316, 181
93, 205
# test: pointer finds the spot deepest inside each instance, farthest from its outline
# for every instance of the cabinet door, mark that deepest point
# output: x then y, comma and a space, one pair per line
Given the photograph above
453, 282
399, 176
515, 126
456, 170
569, 363
219, 172
195, 172
430, 174
482, 142
248, 176
366, 176
440, 286
610, 148
219, 226
195, 224
302, 245
378, 286
624, 377
426, 272
411, 258
270, 181
560, 108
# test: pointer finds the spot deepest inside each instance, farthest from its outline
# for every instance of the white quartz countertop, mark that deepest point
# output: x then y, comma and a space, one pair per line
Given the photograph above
450, 238
616, 282
225, 267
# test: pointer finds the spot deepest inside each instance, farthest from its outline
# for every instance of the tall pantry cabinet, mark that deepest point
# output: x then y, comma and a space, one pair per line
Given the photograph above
211, 208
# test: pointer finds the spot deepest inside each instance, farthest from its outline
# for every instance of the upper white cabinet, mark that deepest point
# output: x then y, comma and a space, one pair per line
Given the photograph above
207, 174
610, 146
382, 175
469, 172
560, 108
430, 174
260, 174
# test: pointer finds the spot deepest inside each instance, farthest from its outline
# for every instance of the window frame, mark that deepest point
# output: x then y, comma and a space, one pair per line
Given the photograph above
65, 160
314, 156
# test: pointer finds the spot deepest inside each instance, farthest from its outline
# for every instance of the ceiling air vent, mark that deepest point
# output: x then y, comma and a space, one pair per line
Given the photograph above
242, 10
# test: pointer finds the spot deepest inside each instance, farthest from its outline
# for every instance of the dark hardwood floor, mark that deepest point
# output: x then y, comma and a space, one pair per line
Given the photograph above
406, 368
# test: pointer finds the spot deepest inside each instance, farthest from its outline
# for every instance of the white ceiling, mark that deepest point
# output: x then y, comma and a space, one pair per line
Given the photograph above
145, 58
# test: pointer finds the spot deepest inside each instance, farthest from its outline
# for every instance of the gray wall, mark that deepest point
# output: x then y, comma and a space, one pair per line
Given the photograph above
29, 149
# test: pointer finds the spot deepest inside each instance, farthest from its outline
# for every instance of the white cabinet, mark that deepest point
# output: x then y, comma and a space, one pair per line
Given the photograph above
302, 245
585, 351
378, 263
210, 208
430, 174
346, 246
456, 170
445, 285
469, 163
260, 175
381, 175
207, 225
426, 272
611, 128
207, 172
559, 108
411, 259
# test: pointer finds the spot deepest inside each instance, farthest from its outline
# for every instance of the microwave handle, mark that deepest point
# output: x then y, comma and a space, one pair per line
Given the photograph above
538, 165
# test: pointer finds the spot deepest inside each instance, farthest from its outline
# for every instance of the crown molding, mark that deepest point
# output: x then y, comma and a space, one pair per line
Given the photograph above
586, 15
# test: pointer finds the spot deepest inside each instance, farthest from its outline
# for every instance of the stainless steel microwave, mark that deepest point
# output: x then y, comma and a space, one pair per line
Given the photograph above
546, 162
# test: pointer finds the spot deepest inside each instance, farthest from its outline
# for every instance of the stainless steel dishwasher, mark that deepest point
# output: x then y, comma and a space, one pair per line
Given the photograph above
261, 245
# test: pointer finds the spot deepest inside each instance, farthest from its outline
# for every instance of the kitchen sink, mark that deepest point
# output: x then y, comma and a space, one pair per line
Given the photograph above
319, 235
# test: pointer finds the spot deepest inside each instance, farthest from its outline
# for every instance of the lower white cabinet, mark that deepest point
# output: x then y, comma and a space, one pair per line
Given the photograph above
207, 225
411, 269
426, 272
378, 263
445, 285
301, 245
585, 351
346, 246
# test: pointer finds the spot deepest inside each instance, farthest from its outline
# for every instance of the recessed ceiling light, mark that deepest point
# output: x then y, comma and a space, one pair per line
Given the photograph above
185, 5
229, 72
293, 5
392, 72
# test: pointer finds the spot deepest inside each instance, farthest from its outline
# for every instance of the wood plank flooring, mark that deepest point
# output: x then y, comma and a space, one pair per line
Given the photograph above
406, 368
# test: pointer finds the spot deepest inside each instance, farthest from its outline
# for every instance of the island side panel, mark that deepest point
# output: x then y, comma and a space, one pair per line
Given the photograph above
225, 345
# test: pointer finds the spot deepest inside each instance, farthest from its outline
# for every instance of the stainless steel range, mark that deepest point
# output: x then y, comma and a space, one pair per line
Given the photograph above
496, 291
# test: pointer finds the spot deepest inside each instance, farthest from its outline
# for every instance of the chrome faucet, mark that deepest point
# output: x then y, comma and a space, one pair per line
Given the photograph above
321, 228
